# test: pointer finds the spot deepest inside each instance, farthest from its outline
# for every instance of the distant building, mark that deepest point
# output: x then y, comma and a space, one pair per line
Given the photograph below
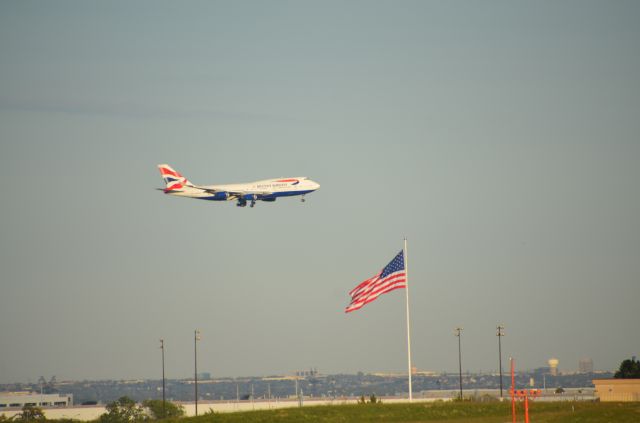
20, 399
312, 372
585, 365
553, 366
617, 389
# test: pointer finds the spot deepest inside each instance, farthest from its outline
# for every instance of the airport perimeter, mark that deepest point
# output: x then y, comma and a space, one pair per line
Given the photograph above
92, 412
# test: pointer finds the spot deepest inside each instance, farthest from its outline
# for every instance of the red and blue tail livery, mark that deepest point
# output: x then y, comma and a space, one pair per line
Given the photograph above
265, 190
172, 178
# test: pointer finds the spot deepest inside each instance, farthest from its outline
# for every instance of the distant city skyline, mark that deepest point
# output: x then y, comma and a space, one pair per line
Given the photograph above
585, 365
499, 138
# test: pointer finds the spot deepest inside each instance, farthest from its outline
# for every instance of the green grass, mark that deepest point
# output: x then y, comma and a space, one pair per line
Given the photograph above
565, 412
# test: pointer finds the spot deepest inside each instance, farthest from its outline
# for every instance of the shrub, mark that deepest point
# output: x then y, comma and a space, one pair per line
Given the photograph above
157, 410
123, 410
31, 413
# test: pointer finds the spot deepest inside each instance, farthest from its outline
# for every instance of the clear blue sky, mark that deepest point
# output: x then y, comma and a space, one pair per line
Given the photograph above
502, 138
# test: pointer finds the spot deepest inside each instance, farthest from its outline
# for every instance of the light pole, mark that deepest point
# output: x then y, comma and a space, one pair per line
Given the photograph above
196, 338
164, 411
458, 334
500, 334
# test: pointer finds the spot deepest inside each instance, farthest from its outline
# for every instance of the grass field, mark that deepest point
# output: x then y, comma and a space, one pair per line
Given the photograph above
564, 412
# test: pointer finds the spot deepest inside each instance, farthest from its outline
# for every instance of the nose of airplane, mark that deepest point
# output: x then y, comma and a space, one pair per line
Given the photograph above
315, 185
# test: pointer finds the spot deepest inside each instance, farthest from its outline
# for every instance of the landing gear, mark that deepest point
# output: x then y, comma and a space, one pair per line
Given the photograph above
242, 201
302, 198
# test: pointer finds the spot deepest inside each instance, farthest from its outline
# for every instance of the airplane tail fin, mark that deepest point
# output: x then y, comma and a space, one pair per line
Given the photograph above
174, 180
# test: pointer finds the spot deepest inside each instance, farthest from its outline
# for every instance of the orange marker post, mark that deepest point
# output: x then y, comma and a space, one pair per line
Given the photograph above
512, 391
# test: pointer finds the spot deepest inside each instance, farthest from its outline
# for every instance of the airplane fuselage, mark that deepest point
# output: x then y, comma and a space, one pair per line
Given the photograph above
264, 190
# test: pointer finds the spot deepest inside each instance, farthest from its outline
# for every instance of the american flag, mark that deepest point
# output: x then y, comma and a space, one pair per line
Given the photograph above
392, 277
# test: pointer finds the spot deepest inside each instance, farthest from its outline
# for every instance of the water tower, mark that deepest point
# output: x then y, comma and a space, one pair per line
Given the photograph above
553, 366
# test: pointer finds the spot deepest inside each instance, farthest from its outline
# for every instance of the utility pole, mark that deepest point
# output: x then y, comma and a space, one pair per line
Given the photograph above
196, 338
500, 334
458, 334
164, 411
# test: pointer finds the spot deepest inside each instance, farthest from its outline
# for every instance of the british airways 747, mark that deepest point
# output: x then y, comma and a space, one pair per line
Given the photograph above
266, 190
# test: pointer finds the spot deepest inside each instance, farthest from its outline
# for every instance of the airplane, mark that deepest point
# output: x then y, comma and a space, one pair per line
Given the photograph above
265, 190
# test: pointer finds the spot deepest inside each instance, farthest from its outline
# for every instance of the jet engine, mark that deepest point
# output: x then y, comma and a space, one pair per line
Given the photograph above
221, 196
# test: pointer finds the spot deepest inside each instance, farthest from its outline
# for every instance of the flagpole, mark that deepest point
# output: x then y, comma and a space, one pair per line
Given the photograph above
406, 272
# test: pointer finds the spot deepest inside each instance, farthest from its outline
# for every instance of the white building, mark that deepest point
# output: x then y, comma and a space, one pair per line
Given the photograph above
20, 399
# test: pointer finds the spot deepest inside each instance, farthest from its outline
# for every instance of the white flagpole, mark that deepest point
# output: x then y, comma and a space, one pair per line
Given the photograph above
406, 272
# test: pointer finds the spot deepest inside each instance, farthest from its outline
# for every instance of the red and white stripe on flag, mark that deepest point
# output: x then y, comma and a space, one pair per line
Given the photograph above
392, 277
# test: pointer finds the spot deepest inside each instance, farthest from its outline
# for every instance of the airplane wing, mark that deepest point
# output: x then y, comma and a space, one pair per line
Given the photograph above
209, 190
236, 194
243, 193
